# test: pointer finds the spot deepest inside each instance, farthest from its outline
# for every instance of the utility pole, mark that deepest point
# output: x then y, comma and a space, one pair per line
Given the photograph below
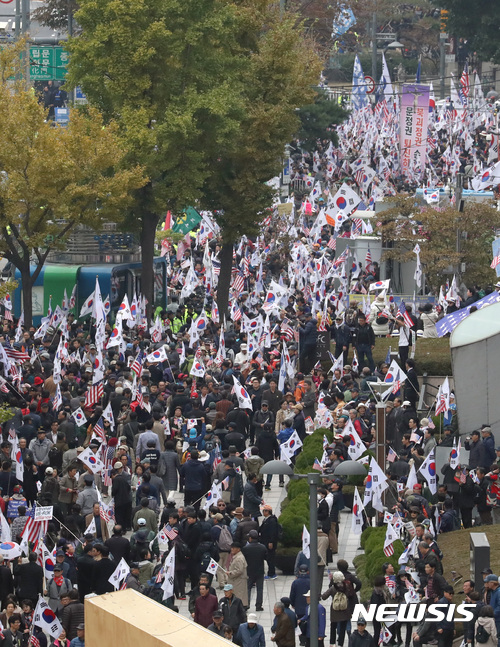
374, 46
442, 64
459, 207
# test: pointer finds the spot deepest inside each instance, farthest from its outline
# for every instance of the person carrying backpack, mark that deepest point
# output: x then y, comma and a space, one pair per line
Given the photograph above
343, 599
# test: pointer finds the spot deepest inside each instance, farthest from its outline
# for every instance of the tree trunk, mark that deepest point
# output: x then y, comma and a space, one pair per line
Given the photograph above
226, 265
148, 233
27, 304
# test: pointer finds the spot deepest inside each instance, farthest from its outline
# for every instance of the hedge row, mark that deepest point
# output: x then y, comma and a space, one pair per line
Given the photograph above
369, 565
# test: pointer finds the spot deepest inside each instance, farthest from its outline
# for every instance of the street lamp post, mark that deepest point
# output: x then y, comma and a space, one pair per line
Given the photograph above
313, 480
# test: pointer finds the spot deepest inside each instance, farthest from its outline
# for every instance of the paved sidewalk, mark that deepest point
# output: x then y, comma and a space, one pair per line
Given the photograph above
276, 589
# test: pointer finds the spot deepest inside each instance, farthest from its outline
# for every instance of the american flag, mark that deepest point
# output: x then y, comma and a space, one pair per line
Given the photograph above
99, 429
357, 224
368, 259
238, 283
332, 243
464, 82
16, 355
463, 476
107, 455
34, 641
8, 315
136, 366
107, 513
3, 385
217, 457
215, 266
34, 530
170, 532
403, 313
389, 550
341, 259
391, 456
495, 262
286, 329
139, 399
159, 576
94, 394
317, 465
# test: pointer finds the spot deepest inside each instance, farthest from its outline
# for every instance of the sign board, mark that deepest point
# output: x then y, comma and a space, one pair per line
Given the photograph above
80, 96
323, 345
44, 513
48, 63
370, 85
61, 116
449, 58
285, 208
388, 37
286, 171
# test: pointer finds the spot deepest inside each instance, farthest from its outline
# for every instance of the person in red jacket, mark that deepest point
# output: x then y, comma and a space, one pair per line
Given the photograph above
205, 606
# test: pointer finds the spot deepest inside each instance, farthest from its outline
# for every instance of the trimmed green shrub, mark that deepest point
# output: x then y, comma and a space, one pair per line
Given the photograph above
297, 487
372, 540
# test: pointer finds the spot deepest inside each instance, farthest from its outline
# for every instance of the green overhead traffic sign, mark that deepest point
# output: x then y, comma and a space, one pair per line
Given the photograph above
48, 63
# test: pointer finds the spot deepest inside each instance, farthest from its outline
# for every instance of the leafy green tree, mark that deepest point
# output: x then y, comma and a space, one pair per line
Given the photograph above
52, 179
447, 238
281, 68
168, 73
478, 22
317, 119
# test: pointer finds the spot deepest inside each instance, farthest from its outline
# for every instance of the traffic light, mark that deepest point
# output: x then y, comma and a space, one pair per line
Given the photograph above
444, 21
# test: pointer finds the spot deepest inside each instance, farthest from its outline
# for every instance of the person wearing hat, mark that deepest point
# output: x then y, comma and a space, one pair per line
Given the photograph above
273, 396
251, 634
88, 496
236, 572
217, 626
305, 620
40, 446
56, 587
491, 584
132, 579
79, 641
300, 586
255, 554
121, 491
475, 447
234, 438
232, 608
360, 637
269, 536
262, 417
147, 515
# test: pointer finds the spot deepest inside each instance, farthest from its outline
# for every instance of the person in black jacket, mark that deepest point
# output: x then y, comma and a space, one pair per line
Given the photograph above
360, 637
268, 447
6, 583
364, 341
121, 491
28, 579
191, 535
342, 336
118, 545
255, 553
269, 535
86, 565
103, 569
467, 499
412, 387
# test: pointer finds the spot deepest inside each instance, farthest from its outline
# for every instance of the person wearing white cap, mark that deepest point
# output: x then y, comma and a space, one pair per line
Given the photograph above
242, 358
251, 634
